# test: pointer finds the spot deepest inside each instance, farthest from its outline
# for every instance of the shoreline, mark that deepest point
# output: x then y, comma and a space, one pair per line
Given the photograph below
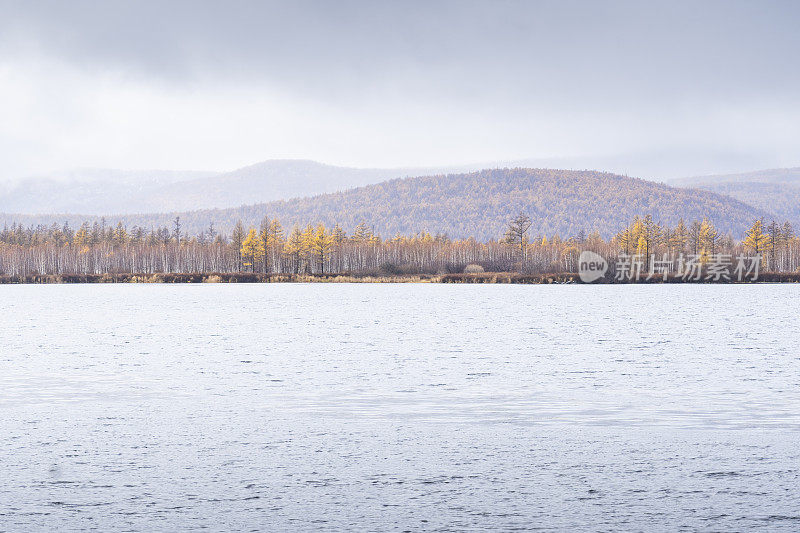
248, 277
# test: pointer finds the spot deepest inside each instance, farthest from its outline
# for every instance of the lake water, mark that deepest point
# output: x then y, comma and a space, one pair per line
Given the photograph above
399, 407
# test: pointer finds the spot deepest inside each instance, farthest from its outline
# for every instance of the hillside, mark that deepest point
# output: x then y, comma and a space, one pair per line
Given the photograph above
114, 192
477, 204
774, 190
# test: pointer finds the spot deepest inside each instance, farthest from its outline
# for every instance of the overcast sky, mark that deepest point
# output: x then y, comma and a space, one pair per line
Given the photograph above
218, 85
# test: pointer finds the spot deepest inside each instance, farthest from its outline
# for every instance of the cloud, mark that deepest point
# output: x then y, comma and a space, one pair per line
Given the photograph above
188, 84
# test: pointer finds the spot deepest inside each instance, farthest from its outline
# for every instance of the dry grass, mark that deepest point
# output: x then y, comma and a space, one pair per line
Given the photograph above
249, 277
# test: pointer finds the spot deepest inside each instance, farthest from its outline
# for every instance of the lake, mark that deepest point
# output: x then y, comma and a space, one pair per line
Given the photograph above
399, 407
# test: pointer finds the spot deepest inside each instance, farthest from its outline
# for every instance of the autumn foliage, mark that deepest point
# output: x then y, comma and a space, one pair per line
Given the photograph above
318, 249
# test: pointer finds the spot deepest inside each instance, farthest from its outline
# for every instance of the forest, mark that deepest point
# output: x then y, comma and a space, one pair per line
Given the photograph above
477, 204
98, 248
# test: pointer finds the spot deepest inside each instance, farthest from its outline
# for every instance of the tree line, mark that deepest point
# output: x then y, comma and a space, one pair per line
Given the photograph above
97, 248
776, 243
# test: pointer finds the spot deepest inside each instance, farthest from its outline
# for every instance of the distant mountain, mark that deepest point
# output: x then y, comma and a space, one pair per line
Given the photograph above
102, 192
277, 179
775, 190
91, 191
660, 166
478, 204
109, 192
789, 176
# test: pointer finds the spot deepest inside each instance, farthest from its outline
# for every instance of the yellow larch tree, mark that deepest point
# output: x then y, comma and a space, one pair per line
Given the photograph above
295, 248
321, 244
252, 250
755, 238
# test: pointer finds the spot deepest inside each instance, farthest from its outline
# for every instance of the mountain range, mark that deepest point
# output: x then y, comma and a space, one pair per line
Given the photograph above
478, 204
776, 191
115, 192
112, 192
458, 201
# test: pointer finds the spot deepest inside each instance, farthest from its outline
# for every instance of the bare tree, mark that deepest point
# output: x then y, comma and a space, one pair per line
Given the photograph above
516, 234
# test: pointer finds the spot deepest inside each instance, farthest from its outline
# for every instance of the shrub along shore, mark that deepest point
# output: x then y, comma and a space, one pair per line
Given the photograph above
249, 277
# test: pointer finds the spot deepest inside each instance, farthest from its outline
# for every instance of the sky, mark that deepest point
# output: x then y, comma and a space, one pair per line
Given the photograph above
202, 85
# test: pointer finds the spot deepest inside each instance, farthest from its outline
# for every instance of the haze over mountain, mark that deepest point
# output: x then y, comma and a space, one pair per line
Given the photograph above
90, 191
654, 165
776, 191
478, 204
108, 192
789, 176
103, 192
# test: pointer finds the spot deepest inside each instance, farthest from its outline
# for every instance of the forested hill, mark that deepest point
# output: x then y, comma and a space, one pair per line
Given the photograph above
478, 204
